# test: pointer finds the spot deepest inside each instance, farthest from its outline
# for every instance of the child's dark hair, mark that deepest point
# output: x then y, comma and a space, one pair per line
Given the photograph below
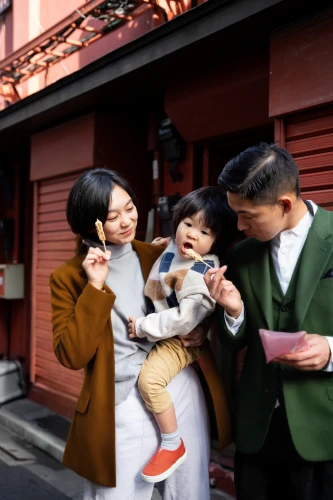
89, 200
218, 216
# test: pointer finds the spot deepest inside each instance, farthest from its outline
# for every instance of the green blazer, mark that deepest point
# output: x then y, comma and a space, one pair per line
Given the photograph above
308, 395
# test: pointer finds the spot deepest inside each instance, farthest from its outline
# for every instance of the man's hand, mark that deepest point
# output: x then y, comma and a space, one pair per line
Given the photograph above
313, 358
196, 337
224, 291
131, 328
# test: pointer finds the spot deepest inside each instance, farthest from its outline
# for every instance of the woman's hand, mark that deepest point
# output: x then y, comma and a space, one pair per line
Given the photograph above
224, 291
96, 266
161, 241
131, 327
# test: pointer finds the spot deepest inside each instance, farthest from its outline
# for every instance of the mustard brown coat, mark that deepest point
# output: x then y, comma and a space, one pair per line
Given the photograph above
83, 338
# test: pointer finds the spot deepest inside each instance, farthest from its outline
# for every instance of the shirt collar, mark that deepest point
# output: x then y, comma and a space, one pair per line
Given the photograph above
302, 227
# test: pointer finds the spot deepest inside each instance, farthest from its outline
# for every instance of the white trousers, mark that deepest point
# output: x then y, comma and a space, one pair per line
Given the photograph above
138, 437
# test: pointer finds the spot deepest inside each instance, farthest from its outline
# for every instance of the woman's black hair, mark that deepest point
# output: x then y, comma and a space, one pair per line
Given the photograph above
218, 216
261, 173
89, 200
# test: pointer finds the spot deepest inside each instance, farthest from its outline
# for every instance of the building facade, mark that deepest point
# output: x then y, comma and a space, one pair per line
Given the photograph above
166, 98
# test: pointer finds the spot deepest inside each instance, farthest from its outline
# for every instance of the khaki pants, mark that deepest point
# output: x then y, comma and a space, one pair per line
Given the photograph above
164, 362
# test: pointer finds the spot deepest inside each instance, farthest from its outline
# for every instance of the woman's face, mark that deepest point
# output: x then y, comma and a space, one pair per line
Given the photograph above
122, 219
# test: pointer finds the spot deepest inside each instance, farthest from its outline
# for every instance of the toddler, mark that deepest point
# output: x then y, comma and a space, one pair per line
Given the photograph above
180, 300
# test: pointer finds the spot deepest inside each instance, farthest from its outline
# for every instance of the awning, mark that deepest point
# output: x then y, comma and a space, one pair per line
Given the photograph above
84, 26
148, 61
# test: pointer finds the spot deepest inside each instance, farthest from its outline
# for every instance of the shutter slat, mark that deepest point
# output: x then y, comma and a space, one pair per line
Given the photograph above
49, 264
61, 383
57, 186
323, 198
57, 236
319, 179
62, 256
53, 226
323, 161
59, 206
43, 307
45, 218
46, 315
317, 126
43, 281
53, 197
53, 246
310, 144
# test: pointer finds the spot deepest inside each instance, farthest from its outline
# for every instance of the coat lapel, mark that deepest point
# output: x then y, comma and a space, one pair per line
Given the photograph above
261, 282
317, 250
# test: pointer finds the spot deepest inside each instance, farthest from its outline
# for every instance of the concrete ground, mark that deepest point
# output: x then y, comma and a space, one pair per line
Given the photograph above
27, 471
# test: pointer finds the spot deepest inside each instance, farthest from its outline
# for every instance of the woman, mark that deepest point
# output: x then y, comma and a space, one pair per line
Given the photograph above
112, 434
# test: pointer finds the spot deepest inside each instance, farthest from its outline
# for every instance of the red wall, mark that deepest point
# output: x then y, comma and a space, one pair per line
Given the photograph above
301, 65
97, 139
66, 148
230, 97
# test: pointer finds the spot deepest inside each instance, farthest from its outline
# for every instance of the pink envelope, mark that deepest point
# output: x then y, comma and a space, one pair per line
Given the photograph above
278, 343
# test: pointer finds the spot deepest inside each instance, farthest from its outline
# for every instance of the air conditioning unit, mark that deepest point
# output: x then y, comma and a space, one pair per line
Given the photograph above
12, 384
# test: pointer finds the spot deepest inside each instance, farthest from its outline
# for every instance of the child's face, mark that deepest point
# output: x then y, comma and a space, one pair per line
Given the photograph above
192, 233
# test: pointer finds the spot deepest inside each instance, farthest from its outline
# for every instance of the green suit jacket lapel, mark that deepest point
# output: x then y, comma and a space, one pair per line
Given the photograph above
317, 250
261, 282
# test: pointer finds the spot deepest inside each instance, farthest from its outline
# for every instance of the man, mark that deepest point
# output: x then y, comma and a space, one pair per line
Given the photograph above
279, 278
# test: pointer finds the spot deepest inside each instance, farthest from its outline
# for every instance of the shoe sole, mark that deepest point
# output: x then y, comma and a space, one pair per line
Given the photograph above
167, 473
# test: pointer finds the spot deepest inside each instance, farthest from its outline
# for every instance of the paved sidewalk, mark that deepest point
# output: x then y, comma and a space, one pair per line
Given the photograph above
37, 425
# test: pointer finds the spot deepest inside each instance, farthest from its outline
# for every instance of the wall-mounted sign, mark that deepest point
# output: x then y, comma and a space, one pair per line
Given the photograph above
4, 5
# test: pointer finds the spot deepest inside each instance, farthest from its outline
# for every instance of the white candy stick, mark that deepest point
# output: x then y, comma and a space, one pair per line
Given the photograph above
196, 256
100, 232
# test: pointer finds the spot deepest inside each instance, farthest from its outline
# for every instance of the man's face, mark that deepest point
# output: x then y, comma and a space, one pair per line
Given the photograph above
261, 222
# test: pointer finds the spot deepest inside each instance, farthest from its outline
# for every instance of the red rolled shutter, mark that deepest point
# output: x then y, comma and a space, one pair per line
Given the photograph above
53, 244
309, 138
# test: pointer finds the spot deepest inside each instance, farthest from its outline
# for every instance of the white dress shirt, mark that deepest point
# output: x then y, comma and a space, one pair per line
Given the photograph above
285, 251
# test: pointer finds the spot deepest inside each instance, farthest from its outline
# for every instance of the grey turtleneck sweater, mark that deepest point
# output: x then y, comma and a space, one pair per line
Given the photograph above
126, 281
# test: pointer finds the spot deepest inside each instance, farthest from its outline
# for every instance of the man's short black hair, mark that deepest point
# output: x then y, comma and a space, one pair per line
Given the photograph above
218, 216
89, 200
261, 173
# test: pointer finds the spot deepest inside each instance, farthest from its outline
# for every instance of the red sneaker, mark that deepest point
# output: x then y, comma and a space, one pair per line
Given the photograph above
163, 463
